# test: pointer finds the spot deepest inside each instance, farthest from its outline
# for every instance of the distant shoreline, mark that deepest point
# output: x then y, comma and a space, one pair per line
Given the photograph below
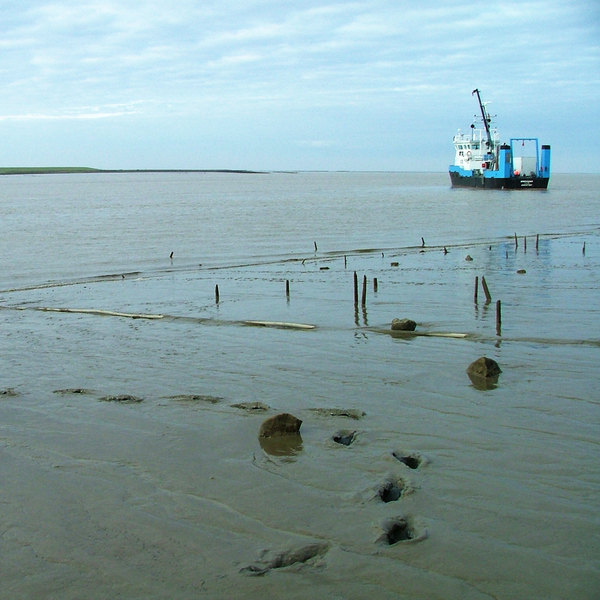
60, 170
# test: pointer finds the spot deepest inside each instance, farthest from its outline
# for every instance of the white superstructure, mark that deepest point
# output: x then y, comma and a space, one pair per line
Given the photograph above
474, 152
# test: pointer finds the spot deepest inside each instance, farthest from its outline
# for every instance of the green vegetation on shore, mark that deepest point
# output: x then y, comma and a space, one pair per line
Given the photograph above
44, 170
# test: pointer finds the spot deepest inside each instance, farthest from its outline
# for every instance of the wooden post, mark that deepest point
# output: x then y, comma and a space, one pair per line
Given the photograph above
363, 301
287, 288
355, 289
498, 317
345, 261
524, 243
583, 249
375, 284
486, 290
217, 293
422, 243
315, 243
537, 241
476, 289
516, 241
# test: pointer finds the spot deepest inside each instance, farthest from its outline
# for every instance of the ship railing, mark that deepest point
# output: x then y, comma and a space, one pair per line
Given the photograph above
477, 135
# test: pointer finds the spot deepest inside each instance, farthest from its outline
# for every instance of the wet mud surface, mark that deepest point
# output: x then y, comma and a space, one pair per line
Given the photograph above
407, 480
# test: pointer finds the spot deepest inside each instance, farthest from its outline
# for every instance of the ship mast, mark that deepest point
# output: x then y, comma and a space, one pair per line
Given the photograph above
486, 119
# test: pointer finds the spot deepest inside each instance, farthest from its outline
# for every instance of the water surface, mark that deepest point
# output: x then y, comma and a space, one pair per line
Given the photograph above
174, 496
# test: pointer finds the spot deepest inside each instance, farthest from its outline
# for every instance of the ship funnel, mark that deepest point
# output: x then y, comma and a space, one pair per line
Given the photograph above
505, 161
545, 162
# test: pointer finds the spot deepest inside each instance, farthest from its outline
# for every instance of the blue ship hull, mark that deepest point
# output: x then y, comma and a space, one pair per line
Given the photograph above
490, 181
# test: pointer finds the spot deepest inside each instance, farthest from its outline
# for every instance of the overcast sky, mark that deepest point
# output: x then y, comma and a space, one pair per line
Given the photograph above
300, 85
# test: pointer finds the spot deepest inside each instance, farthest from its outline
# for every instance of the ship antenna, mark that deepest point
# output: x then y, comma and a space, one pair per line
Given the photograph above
486, 118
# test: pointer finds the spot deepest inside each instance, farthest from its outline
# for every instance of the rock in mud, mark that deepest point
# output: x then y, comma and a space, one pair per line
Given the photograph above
484, 367
123, 399
281, 424
72, 391
403, 325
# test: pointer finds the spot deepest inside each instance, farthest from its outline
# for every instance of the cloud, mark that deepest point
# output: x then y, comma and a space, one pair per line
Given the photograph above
78, 113
383, 61
316, 143
42, 117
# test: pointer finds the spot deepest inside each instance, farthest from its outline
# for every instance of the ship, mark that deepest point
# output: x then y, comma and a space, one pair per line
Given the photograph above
481, 161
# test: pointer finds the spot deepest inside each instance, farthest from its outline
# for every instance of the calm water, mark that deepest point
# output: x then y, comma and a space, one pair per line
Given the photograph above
173, 497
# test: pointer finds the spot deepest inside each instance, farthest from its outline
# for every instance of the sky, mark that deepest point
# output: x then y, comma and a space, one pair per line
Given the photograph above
373, 85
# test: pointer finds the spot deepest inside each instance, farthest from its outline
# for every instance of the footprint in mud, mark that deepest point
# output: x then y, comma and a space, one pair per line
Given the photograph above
305, 555
391, 490
400, 529
351, 413
73, 391
252, 406
196, 398
123, 399
412, 460
9, 392
345, 437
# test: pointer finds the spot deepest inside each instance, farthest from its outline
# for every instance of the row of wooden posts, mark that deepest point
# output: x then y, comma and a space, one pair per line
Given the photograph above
363, 302
488, 299
363, 297
537, 242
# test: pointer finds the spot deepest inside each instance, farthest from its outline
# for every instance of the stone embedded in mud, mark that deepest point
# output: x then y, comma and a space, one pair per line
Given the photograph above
281, 424
403, 325
484, 367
